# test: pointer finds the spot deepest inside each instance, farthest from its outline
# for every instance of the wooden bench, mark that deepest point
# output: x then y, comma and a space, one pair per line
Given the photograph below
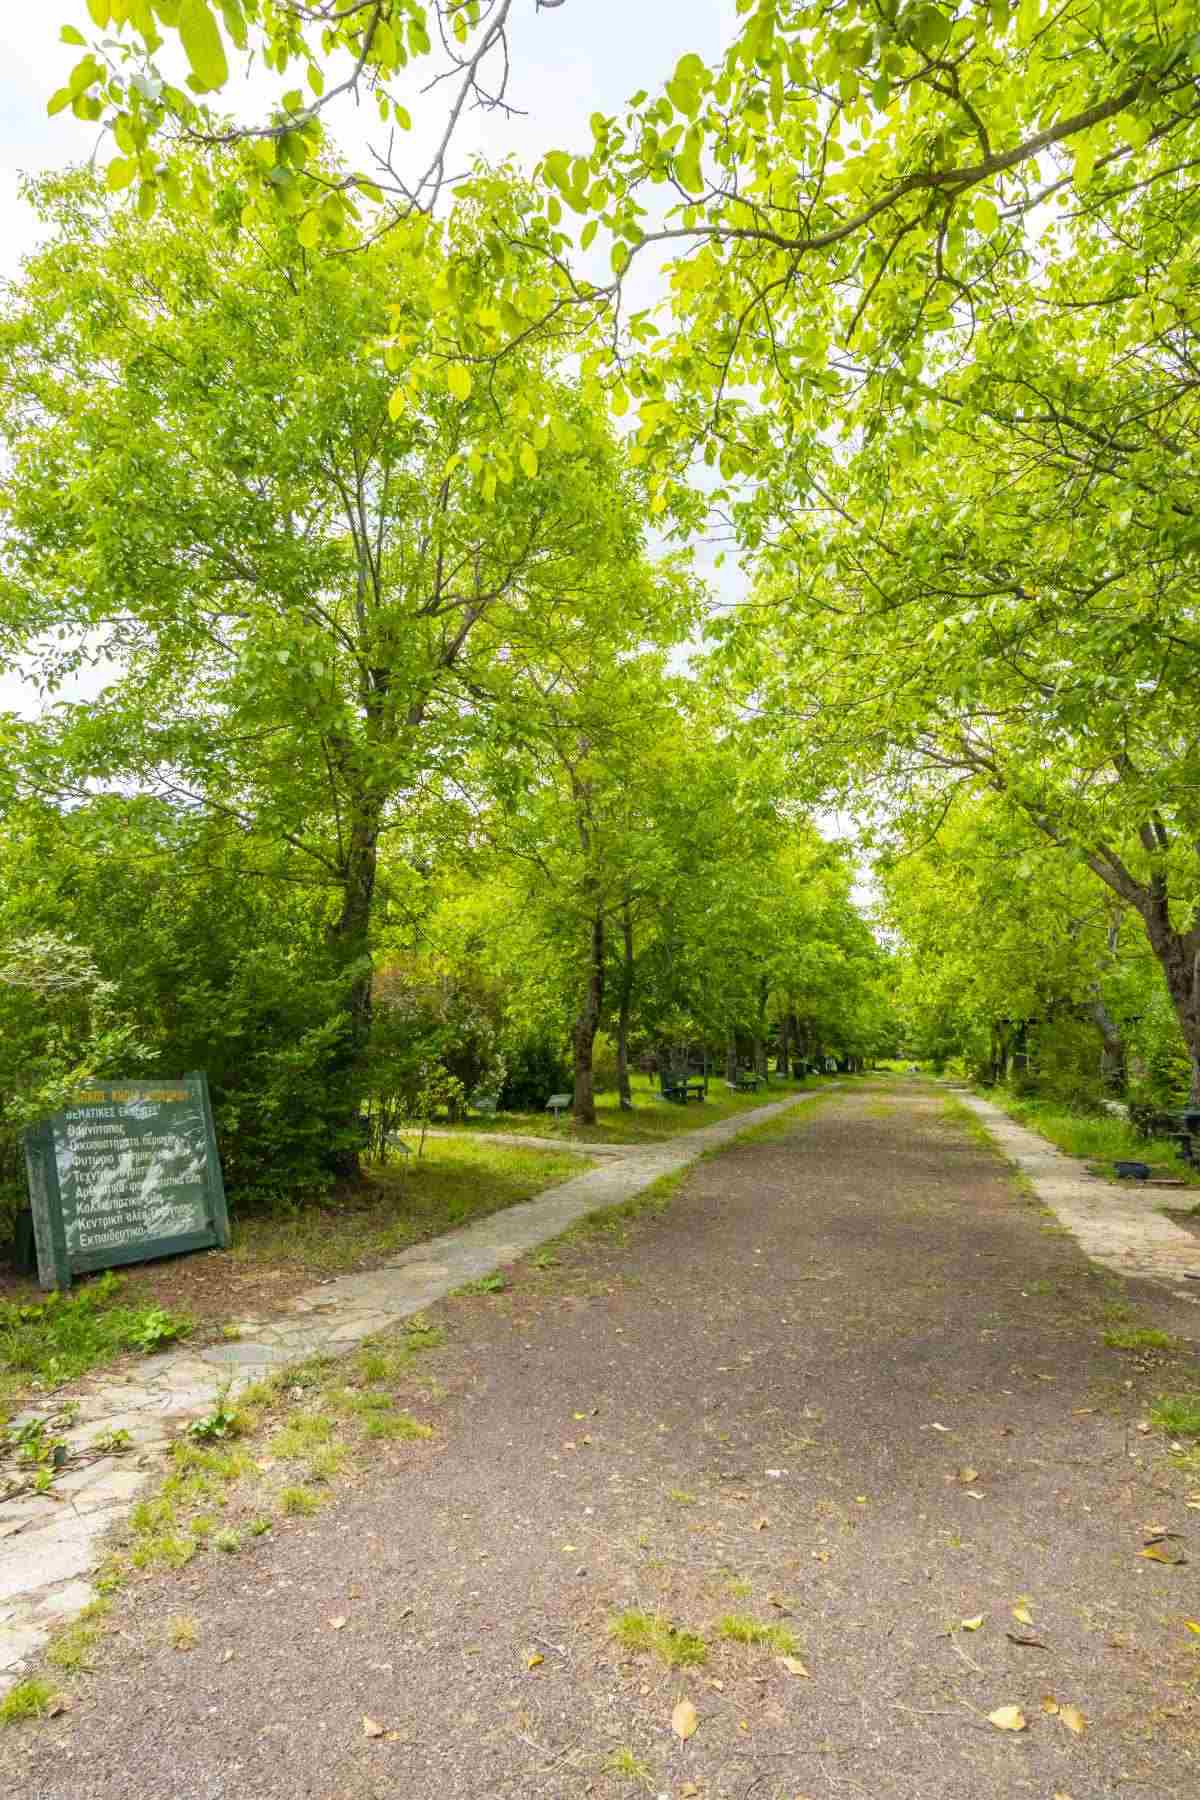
484, 1104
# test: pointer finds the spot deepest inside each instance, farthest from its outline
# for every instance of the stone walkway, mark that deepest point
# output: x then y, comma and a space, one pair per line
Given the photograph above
1117, 1224
49, 1544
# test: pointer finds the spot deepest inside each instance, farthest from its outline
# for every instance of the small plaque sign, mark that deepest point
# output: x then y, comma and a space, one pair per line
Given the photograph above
129, 1171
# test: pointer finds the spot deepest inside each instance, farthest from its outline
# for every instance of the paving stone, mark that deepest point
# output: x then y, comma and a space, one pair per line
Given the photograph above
249, 1355
1116, 1225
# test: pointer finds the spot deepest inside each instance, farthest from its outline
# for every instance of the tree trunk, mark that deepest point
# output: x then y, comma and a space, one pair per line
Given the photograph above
731, 1053
1178, 953
625, 1001
587, 1023
1113, 1072
782, 1065
349, 939
760, 1039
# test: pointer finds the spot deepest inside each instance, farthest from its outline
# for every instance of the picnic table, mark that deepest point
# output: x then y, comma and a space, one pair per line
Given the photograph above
745, 1082
681, 1088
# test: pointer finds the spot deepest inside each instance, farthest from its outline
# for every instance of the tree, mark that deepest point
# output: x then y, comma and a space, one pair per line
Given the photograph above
277, 538
1001, 936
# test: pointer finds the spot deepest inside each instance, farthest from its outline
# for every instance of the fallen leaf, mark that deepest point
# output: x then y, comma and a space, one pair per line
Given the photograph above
936, 1427
719, 1685
371, 1727
974, 1494
1073, 1719
1008, 1718
1163, 1553
1022, 1614
968, 1476
684, 1721
1049, 1704
792, 1664
761, 1524
688, 1791
1061, 1796
337, 1624
972, 1624
1026, 1643
534, 1659
1193, 1625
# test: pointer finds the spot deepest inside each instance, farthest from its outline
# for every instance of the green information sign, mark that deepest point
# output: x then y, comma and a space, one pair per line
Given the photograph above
128, 1172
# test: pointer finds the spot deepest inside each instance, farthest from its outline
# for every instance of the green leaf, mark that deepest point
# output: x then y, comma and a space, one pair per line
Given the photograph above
529, 460
458, 380
201, 38
58, 100
119, 173
398, 403
308, 232
101, 12
986, 215
69, 35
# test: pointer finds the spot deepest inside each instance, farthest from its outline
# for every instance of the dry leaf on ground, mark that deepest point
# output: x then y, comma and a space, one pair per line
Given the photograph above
1049, 1703
972, 1624
1073, 1719
968, 1476
684, 1720
371, 1727
1193, 1625
1022, 1614
1163, 1553
534, 1659
761, 1524
337, 1624
1008, 1718
792, 1664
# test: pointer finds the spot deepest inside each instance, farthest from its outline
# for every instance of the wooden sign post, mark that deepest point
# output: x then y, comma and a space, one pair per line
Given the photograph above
128, 1172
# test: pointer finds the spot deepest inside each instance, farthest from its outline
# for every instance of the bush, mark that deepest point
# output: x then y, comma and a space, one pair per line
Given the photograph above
537, 1068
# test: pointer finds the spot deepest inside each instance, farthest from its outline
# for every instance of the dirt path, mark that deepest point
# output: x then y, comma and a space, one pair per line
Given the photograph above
851, 1384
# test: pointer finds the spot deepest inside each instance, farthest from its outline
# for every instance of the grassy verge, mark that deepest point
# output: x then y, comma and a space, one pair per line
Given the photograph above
47, 1341
55, 1339
652, 1118
453, 1182
1104, 1139
246, 1472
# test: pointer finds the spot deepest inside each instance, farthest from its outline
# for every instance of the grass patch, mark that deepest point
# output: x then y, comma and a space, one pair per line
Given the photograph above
54, 1340
625, 1764
962, 1116
30, 1699
741, 1628
74, 1646
1138, 1337
1105, 1138
397, 1425
649, 1634
1177, 1414
183, 1632
298, 1502
453, 1182
652, 1118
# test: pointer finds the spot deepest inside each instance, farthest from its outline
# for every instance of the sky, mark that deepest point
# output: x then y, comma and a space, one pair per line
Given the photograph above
568, 62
